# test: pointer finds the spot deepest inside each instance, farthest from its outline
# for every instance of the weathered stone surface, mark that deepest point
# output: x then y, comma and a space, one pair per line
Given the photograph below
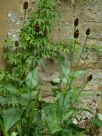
90, 16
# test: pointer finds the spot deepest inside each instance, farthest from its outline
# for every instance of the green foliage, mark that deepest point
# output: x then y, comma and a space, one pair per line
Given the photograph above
98, 120
25, 112
60, 115
10, 117
45, 15
17, 103
23, 55
32, 79
22, 110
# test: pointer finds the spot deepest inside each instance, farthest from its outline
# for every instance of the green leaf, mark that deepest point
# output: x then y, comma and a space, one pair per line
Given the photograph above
97, 122
2, 99
32, 79
79, 73
77, 128
71, 97
13, 99
53, 117
99, 116
28, 95
2, 75
2, 128
53, 124
8, 87
65, 73
10, 117
14, 134
68, 114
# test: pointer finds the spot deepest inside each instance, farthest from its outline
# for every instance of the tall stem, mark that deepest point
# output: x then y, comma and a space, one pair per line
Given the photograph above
3, 128
78, 60
72, 53
82, 50
32, 113
82, 89
25, 11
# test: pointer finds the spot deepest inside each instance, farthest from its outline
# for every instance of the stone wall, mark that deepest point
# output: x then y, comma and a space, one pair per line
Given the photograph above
5, 7
89, 12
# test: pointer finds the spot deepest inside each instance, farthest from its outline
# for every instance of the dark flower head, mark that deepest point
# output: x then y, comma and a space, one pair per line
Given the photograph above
88, 31
1, 134
76, 22
76, 33
40, 105
21, 29
16, 44
37, 28
25, 5
89, 78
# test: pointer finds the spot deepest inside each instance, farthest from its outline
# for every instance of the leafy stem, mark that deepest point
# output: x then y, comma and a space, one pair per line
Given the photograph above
72, 53
78, 59
32, 112
3, 128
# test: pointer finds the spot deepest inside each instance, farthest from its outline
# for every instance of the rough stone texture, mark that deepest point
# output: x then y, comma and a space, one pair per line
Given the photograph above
90, 15
5, 7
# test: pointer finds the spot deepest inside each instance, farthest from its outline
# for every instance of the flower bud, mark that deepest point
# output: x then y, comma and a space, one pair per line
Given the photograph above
88, 31
1, 134
37, 28
40, 105
89, 78
16, 44
76, 33
25, 5
76, 22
